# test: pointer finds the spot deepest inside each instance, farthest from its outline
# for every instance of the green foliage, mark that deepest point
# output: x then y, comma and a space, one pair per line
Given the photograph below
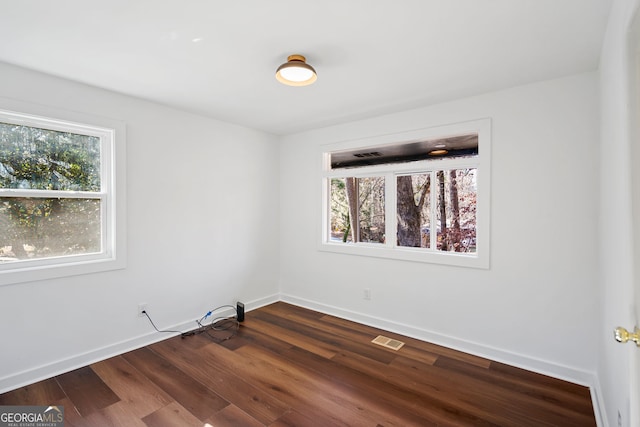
34, 158
371, 202
40, 159
454, 214
340, 223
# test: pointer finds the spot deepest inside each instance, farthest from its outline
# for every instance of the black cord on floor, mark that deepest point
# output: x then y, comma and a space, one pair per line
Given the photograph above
215, 326
154, 325
202, 328
216, 323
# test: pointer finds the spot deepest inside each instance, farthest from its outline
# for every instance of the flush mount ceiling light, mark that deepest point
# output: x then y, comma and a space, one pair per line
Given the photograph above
296, 72
438, 152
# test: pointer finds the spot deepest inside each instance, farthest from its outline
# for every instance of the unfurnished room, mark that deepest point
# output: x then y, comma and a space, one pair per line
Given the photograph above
337, 213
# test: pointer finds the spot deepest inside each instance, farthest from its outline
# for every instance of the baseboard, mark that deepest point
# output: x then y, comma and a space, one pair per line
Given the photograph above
598, 403
544, 367
261, 302
49, 370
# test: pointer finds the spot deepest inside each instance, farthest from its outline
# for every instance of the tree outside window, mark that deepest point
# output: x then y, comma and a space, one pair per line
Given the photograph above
426, 199
50, 193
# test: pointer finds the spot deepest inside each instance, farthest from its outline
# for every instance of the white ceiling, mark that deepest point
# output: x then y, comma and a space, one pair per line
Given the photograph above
218, 58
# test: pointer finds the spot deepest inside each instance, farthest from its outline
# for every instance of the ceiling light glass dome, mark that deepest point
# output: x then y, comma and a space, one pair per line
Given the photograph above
296, 72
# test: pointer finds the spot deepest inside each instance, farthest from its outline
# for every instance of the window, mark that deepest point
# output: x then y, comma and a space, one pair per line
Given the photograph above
357, 209
422, 197
57, 198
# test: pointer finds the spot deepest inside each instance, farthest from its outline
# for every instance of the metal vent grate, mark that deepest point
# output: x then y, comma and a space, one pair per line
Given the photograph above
388, 342
371, 154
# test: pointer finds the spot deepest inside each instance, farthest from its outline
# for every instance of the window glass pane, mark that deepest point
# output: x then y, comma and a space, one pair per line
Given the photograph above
371, 209
339, 223
456, 210
357, 210
413, 207
32, 228
42, 159
450, 147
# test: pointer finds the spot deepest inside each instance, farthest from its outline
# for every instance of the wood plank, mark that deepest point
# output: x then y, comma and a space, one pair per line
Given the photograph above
284, 309
575, 398
86, 390
480, 395
41, 393
331, 341
431, 400
291, 337
140, 393
399, 405
296, 419
352, 404
191, 394
412, 342
172, 415
539, 379
232, 416
345, 338
72, 417
120, 414
231, 387
268, 342
287, 383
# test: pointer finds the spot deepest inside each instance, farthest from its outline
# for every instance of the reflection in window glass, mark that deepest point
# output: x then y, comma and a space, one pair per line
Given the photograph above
456, 210
339, 212
371, 209
357, 210
413, 210
35, 228
43, 159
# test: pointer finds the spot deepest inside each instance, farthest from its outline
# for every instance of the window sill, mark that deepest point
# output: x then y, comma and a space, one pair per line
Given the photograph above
407, 254
32, 273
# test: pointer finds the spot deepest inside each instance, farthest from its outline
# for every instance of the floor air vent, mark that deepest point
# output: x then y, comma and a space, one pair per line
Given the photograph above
388, 342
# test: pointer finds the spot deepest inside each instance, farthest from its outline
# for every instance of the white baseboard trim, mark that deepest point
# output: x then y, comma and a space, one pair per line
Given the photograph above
261, 302
577, 376
43, 372
598, 403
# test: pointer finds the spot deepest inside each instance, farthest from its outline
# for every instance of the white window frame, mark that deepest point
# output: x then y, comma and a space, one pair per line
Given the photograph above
390, 249
112, 193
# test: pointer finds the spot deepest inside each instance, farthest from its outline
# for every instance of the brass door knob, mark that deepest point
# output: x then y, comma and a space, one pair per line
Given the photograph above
622, 335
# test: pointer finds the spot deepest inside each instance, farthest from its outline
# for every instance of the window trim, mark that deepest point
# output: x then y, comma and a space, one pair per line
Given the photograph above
482, 162
112, 134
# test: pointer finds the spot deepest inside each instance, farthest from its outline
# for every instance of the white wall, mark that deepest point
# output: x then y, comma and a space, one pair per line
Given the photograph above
202, 219
536, 306
617, 223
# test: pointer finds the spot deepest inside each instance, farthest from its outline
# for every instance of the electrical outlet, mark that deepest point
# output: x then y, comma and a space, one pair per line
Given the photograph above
142, 307
367, 293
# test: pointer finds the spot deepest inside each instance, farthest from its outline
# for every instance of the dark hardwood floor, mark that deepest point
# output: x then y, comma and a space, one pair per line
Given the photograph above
288, 366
